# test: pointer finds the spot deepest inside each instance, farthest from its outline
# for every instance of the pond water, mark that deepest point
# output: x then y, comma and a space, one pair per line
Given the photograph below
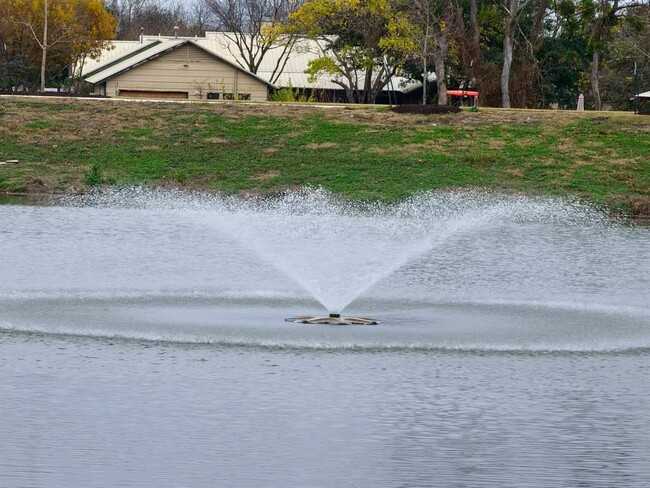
143, 344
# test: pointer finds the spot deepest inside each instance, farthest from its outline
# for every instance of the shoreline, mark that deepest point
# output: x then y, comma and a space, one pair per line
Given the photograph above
45, 198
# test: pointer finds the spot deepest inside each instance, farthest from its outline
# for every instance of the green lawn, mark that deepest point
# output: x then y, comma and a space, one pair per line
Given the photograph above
360, 152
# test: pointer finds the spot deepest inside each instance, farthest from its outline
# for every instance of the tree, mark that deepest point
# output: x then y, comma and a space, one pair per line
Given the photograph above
431, 25
477, 56
562, 57
601, 17
445, 16
154, 17
361, 51
17, 45
252, 28
629, 47
63, 29
514, 9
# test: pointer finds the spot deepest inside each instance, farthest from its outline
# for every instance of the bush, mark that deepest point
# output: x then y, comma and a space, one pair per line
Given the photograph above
94, 177
290, 94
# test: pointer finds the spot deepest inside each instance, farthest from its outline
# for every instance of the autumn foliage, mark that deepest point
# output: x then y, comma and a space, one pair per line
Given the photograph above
49, 39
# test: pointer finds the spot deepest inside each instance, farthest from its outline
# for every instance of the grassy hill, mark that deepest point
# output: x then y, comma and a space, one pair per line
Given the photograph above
362, 152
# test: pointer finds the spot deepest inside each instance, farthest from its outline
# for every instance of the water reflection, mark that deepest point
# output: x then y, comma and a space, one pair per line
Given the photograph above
78, 411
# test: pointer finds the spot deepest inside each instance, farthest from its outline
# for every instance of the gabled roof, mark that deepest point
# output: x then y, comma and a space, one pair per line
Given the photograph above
124, 50
152, 50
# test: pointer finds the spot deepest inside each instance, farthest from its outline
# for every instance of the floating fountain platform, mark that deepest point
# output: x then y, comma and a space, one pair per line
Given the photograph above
333, 319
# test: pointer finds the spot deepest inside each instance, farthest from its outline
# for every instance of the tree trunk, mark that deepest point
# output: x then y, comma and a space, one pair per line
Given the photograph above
44, 46
425, 52
507, 63
367, 87
595, 86
439, 55
8, 63
475, 30
349, 93
425, 79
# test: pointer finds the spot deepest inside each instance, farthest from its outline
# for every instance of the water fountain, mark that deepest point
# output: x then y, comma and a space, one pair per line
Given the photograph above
144, 342
452, 269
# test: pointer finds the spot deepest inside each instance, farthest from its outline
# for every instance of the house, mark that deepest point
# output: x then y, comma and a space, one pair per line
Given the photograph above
211, 67
174, 69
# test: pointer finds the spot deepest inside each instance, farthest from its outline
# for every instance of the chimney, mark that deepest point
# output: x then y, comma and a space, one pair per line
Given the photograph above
176, 31
141, 35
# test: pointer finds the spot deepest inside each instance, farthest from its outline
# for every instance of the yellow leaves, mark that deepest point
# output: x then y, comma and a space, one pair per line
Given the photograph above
321, 65
381, 22
382, 8
71, 21
273, 32
74, 27
400, 36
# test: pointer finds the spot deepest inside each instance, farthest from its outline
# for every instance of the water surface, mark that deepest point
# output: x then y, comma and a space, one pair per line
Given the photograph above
143, 344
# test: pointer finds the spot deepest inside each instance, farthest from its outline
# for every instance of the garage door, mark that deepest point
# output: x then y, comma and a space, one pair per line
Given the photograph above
159, 95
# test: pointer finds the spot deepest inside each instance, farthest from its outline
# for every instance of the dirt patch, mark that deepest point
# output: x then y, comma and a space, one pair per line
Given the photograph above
322, 145
216, 140
496, 144
565, 146
580, 164
379, 150
439, 145
524, 143
265, 176
515, 172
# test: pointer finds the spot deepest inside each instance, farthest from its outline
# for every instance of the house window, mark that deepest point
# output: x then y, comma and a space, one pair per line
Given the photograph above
228, 96
213, 96
244, 96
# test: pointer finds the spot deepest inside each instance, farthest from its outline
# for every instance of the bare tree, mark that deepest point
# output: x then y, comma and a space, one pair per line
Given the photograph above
514, 10
198, 17
251, 28
154, 17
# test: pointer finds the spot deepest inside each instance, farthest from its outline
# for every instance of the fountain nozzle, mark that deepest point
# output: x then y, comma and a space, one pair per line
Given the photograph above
333, 319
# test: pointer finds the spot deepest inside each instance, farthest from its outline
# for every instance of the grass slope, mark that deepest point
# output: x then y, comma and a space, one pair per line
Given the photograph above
363, 153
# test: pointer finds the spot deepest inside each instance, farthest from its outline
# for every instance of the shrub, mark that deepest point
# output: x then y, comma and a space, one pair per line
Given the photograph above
290, 94
94, 177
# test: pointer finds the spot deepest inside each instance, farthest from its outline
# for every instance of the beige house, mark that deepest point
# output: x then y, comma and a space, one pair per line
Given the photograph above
176, 69
155, 70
